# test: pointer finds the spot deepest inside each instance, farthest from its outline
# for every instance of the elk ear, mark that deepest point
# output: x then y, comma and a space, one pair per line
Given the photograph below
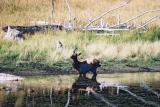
79, 54
74, 51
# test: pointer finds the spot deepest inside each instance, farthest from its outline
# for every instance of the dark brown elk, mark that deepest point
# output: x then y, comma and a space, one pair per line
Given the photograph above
84, 67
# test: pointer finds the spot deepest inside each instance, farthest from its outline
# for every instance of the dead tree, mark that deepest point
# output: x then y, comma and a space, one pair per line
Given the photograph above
135, 17
147, 22
115, 8
14, 34
53, 5
70, 19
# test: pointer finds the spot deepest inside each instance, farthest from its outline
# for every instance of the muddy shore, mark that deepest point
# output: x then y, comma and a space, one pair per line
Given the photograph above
102, 70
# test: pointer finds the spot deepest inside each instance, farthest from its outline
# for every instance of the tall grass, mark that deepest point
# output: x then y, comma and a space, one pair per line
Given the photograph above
23, 12
41, 48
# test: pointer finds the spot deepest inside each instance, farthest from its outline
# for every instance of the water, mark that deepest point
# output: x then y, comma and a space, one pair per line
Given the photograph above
119, 90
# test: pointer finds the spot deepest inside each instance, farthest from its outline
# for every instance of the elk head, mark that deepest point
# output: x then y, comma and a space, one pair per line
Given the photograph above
75, 55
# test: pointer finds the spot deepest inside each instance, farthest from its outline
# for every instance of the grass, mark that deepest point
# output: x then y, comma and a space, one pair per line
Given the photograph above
25, 12
40, 52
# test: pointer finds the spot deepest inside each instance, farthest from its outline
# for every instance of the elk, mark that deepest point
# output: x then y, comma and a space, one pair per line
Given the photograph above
84, 67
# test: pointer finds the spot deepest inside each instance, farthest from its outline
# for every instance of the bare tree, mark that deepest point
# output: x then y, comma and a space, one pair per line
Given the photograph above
147, 22
70, 15
133, 18
103, 14
52, 12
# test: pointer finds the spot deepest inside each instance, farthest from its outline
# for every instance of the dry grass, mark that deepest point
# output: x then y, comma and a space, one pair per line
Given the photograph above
42, 47
23, 12
137, 49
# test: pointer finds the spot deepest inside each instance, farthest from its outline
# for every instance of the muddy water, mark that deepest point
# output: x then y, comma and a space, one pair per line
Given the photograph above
108, 90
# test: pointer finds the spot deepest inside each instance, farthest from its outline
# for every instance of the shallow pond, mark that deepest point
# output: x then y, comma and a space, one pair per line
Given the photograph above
108, 90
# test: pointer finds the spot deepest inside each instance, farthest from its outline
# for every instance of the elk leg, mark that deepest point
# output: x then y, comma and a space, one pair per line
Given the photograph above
94, 76
84, 74
80, 74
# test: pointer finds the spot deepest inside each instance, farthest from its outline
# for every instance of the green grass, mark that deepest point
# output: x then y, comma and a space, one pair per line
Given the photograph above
40, 53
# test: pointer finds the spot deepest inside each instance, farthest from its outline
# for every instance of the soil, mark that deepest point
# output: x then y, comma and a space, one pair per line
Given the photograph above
102, 70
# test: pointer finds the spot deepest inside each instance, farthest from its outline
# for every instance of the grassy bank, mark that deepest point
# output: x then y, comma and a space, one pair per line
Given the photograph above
40, 51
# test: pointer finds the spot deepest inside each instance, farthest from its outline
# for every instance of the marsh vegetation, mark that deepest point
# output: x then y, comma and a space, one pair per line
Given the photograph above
40, 51
49, 52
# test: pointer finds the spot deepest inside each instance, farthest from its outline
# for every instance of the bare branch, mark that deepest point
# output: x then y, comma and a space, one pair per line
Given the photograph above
69, 10
52, 10
149, 11
102, 99
51, 96
147, 22
140, 98
117, 7
69, 94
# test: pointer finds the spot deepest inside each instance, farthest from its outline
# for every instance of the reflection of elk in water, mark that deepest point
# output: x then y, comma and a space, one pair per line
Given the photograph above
84, 67
85, 85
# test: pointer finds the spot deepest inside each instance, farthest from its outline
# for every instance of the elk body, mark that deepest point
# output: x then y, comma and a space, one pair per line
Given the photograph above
84, 67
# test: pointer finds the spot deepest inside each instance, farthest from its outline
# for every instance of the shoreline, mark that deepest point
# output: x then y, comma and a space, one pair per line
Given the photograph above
102, 70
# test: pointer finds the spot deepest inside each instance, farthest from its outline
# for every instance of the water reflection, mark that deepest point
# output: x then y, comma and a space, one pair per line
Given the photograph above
71, 91
85, 84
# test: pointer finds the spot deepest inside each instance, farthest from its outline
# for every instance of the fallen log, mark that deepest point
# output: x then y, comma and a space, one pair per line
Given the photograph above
150, 103
33, 29
14, 34
148, 88
106, 101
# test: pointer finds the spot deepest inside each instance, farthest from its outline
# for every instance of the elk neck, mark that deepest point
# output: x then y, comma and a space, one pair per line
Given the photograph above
75, 60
